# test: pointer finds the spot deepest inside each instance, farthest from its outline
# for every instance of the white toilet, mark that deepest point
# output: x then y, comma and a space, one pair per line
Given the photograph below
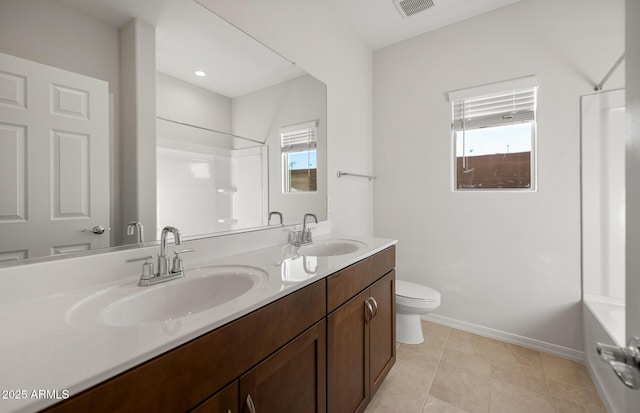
413, 300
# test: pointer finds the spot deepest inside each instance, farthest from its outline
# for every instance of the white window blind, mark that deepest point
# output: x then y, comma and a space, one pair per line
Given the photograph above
494, 105
299, 137
511, 107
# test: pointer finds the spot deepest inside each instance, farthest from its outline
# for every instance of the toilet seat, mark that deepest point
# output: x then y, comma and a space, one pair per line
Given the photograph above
416, 292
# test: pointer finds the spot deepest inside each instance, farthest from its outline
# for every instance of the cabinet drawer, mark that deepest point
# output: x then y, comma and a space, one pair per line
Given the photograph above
181, 378
348, 282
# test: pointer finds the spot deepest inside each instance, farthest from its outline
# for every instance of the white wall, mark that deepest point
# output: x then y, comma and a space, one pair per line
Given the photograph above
185, 102
138, 125
50, 33
308, 33
503, 261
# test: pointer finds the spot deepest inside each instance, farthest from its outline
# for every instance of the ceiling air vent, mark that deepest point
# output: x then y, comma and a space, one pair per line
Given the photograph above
408, 8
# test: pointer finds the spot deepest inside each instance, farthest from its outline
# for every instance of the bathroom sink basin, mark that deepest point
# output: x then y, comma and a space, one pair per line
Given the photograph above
330, 248
201, 289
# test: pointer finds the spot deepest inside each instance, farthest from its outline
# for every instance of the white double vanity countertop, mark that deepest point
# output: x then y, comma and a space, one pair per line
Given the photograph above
64, 340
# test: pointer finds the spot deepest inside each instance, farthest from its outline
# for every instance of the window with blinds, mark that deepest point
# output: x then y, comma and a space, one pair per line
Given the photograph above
299, 157
494, 131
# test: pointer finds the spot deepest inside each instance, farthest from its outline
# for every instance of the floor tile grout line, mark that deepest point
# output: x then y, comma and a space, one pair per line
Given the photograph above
426, 396
436, 370
449, 331
547, 394
491, 374
546, 384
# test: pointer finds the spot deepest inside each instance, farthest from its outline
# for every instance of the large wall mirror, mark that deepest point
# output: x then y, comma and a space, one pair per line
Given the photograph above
120, 115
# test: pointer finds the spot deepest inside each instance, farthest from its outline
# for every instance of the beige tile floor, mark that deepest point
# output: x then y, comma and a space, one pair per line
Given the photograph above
458, 372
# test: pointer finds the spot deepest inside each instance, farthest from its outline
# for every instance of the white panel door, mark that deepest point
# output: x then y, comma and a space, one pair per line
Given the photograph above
633, 222
54, 160
632, 167
633, 234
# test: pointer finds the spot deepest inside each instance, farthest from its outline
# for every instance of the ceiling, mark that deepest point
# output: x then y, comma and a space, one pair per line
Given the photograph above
189, 37
378, 23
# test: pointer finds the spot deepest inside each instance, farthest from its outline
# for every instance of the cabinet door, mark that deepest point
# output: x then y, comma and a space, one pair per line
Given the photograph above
382, 330
224, 401
348, 356
293, 379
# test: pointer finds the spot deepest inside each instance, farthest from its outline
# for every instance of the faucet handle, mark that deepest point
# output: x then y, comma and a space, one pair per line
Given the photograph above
295, 238
147, 267
183, 251
177, 261
307, 237
149, 258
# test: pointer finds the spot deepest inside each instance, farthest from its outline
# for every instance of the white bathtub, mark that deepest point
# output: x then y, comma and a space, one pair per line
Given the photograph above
610, 314
604, 322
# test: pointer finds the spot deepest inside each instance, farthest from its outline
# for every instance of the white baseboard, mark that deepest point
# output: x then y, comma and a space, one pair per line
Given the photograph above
506, 337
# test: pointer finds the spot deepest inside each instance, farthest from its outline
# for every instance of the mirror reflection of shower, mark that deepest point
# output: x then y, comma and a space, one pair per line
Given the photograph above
208, 181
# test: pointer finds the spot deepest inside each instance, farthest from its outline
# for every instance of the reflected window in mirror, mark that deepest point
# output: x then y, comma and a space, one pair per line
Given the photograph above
299, 157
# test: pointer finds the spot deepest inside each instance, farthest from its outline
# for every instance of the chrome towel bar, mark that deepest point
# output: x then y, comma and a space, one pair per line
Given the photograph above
369, 177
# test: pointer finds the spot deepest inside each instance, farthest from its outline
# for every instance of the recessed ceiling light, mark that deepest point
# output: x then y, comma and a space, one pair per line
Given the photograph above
200, 73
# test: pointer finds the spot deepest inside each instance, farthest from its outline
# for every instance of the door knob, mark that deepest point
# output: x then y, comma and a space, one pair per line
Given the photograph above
625, 361
98, 229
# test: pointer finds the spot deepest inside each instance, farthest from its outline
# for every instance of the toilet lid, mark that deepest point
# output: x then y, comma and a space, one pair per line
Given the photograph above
415, 291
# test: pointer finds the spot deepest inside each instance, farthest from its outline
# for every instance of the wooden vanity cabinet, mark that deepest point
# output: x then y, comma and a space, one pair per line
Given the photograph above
360, 332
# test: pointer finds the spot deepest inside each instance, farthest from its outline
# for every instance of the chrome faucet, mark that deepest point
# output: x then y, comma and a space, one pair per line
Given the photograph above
272, 213
164, 271
163, 260
304, 224
136, 226
304, 236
